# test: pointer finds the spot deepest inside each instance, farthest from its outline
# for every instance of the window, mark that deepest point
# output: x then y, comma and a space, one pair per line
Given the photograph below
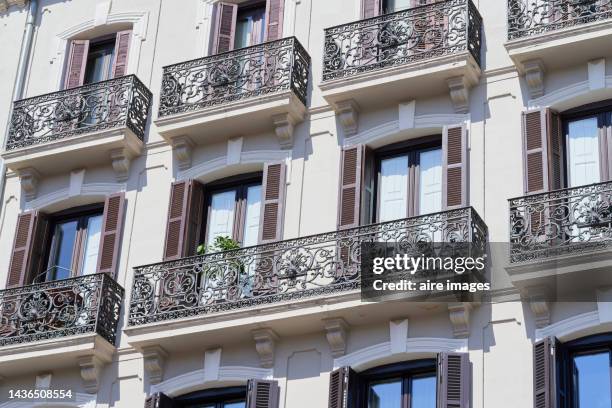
230, 397
400, 385
74, 243
250, 25
233, 209
100, 60
409, 179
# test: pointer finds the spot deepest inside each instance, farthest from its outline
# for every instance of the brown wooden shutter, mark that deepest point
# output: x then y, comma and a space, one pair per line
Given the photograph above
350, 195
454, 167
262, 394
343, 388
77, 59
112, 228
535, 127
184, 219
454, 380
544, 384
371, 8
225, 27
41, 236
159, 400
555, 149
272, 209
122, 48
274, 19
22, 248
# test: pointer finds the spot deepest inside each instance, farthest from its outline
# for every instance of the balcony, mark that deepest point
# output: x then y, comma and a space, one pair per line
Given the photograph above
221, 95
52, 324
415, 52
280, 284
84, 126
562, 239
543, 33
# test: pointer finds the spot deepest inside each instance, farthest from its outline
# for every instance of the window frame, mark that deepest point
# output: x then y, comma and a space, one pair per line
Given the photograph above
216, 396
405, 370
411, 148
81, 214
240, 184
249, 7
105, 39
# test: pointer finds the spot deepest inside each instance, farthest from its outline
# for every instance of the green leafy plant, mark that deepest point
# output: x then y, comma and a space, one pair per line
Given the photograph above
221, 244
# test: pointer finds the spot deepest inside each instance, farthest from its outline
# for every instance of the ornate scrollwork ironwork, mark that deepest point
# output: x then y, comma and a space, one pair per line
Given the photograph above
416, 34
283, 271
568, 221
120, 102
264, 69
86, 304
531, 17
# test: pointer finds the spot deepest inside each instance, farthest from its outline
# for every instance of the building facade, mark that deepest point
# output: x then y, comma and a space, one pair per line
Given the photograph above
142, 138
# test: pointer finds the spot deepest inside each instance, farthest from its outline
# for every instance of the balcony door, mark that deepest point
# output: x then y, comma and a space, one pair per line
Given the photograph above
99, 66
250, 25
583, 157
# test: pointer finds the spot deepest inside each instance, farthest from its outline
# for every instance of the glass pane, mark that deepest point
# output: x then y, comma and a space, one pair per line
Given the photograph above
393, 188
99, 62
221, 220
391, 6
242, 37
583, 152
251, 220
385, 394
592, 381
63, 247
92, 245
430, 183
423, 392
237, 404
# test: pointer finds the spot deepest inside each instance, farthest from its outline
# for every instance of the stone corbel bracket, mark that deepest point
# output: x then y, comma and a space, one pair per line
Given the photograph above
336, 334
29, 179
265, 343
534, 76
459, 90
541, 311
91, 370
348, 116
120, 160
459, 315
154, 358
183, 151
284, 126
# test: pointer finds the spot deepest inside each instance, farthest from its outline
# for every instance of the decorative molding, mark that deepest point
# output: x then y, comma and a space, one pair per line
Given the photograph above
283, 127
76, 182
154, 358
541, 310
336, 334
348, 116
234, 150
398, 333
459, 315
568, 93
534, 76
265, 343
415, 348
183, 151
197, 379
569, 327
101, 13
91, 368
43, 381
406, 115
91, 189
120, 160
5, 4
29, 179
212, 364
597, 73
459, 93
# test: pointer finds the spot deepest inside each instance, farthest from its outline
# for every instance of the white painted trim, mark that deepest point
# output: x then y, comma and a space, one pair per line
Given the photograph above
572, 327
566, 93
196, 380
250, 157
140, 23
289, 17
415, 348
204, 27
90, 190
81, 400
432, 121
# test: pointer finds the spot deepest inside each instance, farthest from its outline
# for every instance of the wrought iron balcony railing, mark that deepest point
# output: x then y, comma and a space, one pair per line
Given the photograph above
264, 69
531, 17
569, 221
116, 103
416, 34
283, 271
86, 304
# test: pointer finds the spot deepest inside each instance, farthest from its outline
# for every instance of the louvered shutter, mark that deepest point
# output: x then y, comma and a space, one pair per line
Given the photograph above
272, 208
544, 381
122, 48
454, 167
343, 387
159, 400
274, 19
225, 27
535, 151
350, 194
41, 236
112, 228
555, 149
184, 219
77, 59
22, 248
371, 8
454, 380
262, 394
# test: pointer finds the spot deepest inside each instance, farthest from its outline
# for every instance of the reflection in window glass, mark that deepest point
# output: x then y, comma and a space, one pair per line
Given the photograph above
92, 245
251, 219
583, 152
423, 392
393, 188
592, 380
430, 183
221, 221
240, 404
60, 265
385, 394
